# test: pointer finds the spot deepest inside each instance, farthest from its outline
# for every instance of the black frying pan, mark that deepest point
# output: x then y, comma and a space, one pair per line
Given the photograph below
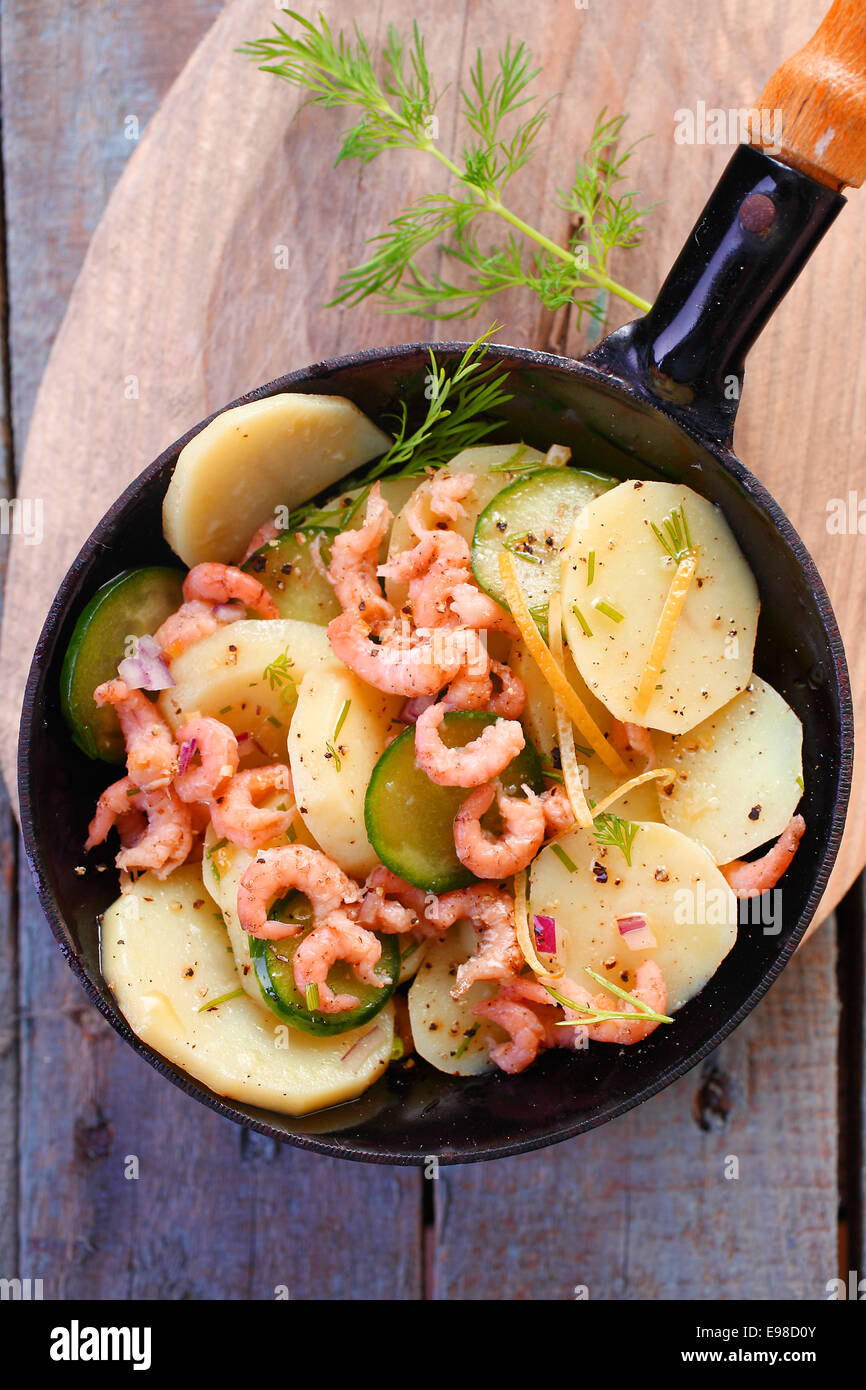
655, 400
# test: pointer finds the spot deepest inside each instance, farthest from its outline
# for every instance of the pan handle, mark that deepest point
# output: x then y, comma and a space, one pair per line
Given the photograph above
760, 226
821, 94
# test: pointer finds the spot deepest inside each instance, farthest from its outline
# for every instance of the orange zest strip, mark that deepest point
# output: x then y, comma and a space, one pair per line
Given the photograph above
673, 606
564, 726
552, 673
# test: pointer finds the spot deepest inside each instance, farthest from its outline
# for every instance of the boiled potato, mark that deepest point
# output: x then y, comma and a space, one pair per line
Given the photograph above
478, 461
231, 477
165, 956
709, 659
331, 771
739, 774
247, 675
688, 905
442, 1025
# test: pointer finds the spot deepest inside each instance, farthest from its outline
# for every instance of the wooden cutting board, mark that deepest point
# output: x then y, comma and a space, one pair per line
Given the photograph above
229, 228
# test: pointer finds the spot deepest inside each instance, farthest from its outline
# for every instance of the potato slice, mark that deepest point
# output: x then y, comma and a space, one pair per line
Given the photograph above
247, 675
690, 908
478, 461
709, 659
331, 772
739, 773
442, 1026
281, 451
163, 958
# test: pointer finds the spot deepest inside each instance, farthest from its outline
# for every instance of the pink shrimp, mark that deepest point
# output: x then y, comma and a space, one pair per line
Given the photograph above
216, 748
477, 762
166, 842
476, 691
354, 558
633, 738
275, 872
446, 495
558, 812
393, 905
439, 562
525, 1010
151, 752
268, 531
751, 878
400, 663
339, 937
215, 583
517, 846
119, 805
649, 988
479, 610
236, 817
492, 910
191, 623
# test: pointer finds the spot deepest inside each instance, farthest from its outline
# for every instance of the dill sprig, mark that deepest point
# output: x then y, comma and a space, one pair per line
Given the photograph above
589, 1014
502, 121
613, 830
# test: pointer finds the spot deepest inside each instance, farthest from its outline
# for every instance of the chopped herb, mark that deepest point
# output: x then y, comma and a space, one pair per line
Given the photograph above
331, 752
799, 781
467, 1038
225, 709
602, 606
677, 542
278, 676
512, 464
411, 951
222, 999
311, 994
613, 830
342, 719
561, 855
590, 568
272, 719
397, 1049
589, 1014
587, 630
292, 834
515, 542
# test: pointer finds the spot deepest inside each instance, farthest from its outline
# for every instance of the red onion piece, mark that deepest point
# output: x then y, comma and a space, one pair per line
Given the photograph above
186, 754
636, 932
414, 707
545, 933
358, 1053
146, 669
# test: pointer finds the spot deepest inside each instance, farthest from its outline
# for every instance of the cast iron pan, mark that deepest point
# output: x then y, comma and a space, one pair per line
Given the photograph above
655, 400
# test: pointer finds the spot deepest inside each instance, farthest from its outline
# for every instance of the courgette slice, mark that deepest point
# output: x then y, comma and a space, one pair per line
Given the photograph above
410, 820
273, 963
532, 518
134, 603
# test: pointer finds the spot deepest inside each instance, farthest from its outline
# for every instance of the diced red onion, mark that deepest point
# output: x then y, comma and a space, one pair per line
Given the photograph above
147, 668
241, 737
415, 707
186, 754
636, 932
358, 1053
545, 933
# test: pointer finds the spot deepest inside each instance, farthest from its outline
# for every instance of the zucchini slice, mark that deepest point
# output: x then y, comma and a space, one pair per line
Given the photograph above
273, 963
134, 603
532, 518
410, 820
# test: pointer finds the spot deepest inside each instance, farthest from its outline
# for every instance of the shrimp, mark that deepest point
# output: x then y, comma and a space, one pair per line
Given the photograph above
433, 568
476, 691
633, 738
235, 816
492, 910
404, 912
477, 762
446, 495
751, 878
216, 747
400, 663
274, 872
558, 811
269, 531
192, 622
340, 937
217, 583
517, 846
151, 752
354, 558
516, 1009
478, 610
120, 805
166, 842
649, 988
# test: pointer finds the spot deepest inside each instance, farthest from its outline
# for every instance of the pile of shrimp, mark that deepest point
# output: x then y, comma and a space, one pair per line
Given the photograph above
434, 654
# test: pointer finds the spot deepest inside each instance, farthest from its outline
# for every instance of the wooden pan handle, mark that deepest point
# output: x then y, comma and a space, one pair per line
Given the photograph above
812, 112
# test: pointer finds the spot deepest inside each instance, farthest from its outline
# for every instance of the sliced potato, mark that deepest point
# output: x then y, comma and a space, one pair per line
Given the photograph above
164, 959
442, 1026
688, 905
331, 771
281, 451
739, 773
709, 659
478, 461
247, 675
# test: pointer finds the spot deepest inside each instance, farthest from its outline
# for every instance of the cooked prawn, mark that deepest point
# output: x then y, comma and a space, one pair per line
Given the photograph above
236, 817
479, 610
168, 838
446, 495
521, 839
491, 910
215, 747
268, 531
751, 878
215, 583
192, 622
649, 988
525, 1010
385, 891
476, 691
433, 568
558, 811
275, 872
354, 558
151, 752
477, 762
401, 663
119, 805
633, 738
339, 937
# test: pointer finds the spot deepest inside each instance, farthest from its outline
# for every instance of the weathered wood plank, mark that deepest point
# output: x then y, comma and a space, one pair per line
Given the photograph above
642, 1209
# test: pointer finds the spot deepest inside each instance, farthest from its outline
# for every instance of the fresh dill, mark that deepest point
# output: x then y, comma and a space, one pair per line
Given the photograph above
279, 677
502, 120
589, 1014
